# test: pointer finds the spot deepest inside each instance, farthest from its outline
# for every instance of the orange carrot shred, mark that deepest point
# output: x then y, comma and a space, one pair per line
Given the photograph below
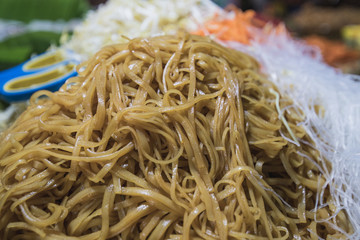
235, 28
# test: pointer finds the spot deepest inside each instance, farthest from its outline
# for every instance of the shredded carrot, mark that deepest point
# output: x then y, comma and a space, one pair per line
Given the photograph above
234, 28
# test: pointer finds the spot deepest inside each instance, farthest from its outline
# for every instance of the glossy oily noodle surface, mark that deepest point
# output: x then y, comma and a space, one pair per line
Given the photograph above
171, 137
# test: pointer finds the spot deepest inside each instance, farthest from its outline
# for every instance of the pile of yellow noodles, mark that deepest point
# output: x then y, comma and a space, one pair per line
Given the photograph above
170, 137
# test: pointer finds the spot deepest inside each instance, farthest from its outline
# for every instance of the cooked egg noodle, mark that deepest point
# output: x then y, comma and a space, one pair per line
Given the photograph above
169, 137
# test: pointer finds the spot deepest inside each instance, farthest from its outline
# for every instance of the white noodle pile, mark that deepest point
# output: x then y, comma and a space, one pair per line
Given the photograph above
310, 83
137, 18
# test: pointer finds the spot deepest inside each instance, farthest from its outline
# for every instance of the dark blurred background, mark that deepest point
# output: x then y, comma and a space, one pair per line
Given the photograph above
325, 17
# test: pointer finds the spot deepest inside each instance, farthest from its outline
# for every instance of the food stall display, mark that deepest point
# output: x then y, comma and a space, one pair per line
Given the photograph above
185, 125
